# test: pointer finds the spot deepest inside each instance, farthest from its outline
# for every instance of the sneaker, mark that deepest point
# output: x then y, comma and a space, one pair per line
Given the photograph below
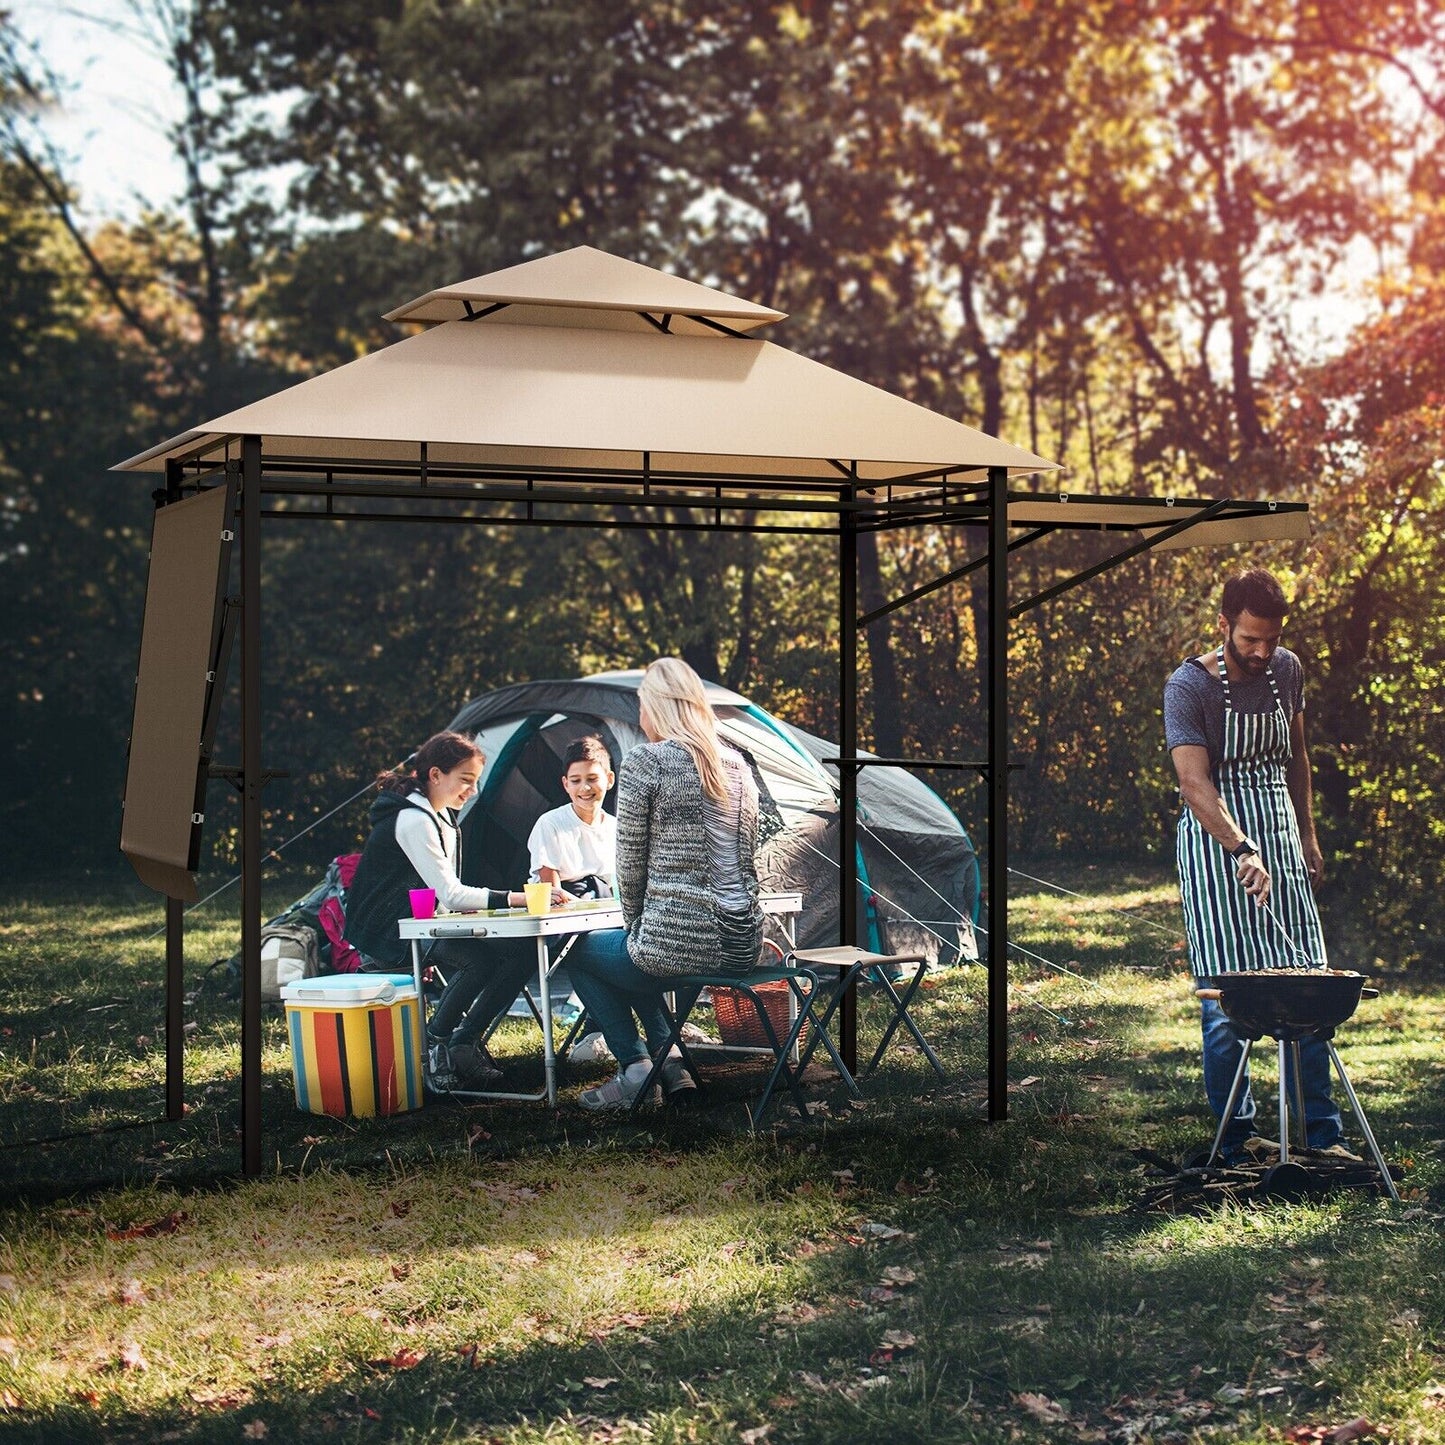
675, 1078
441, 1077
474, 1066
591, 1048
618, 1092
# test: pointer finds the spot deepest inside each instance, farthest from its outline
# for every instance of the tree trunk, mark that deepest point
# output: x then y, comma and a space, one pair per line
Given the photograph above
887, 698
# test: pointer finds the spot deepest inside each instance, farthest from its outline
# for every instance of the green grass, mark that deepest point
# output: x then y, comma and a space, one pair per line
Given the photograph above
898, 1271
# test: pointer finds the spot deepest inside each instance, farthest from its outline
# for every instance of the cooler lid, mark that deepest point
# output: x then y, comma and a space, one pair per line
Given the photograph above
339, 989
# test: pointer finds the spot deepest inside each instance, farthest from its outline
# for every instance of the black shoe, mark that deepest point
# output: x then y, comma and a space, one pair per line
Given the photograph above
474, 1066
441, 1077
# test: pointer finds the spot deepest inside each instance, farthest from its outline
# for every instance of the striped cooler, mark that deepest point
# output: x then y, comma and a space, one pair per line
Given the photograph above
356, 1044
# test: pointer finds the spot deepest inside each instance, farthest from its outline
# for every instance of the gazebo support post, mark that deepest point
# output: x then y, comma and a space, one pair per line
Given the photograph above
175, 1008
998, 772
847, 771
252, 782
175, 936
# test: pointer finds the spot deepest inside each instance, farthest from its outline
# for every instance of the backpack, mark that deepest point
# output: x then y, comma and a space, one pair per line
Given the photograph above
289, 952
331, 916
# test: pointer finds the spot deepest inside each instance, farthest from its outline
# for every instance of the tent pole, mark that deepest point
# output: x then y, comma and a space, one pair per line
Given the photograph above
251, 785
847, 772
998, 750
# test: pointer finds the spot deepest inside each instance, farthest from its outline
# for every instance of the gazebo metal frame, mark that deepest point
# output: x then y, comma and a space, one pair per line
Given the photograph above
476, 481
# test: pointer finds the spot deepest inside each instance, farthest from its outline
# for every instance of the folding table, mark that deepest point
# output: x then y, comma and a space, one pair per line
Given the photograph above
583, 915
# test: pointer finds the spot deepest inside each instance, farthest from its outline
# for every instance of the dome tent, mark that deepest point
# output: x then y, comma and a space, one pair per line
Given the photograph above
918, 875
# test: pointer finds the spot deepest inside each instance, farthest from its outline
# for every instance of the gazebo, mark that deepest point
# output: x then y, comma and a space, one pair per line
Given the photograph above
552, 392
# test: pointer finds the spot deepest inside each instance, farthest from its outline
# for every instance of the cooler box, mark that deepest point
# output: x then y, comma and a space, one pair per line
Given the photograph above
356, 1043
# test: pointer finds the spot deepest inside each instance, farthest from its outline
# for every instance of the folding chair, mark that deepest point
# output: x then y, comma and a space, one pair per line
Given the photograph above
803, 983
852, 963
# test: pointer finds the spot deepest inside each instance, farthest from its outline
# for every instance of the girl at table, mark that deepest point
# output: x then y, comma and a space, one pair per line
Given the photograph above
688, 808
415, 842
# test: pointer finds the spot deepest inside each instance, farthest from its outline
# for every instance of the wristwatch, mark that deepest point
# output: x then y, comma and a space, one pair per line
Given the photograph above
1247, 847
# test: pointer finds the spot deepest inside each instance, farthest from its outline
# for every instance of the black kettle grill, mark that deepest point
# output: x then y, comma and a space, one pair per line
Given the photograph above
1288, 1005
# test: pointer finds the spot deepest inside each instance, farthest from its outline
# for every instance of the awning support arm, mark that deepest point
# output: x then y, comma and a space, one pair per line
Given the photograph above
1089, 573
870, 617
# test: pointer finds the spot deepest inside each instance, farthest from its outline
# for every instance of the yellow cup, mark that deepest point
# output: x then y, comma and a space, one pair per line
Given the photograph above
539, 897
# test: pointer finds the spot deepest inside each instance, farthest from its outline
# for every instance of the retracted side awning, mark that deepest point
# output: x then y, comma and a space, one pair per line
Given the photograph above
1210, 522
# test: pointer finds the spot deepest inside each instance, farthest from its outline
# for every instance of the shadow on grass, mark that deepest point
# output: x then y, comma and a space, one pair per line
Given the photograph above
1139, 1329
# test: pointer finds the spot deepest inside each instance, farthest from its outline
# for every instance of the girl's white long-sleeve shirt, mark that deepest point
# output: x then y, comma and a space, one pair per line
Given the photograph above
431, 841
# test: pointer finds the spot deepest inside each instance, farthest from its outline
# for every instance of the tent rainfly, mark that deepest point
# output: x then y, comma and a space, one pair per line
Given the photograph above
581, 389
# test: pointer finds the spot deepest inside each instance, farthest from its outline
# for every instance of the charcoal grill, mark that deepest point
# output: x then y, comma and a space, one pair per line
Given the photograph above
1288, 1005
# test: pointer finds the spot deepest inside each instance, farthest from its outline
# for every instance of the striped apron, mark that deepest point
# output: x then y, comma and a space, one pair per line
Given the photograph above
1227, 931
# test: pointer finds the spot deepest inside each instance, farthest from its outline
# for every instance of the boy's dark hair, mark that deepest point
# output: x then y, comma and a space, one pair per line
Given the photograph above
1253, 590
589, 749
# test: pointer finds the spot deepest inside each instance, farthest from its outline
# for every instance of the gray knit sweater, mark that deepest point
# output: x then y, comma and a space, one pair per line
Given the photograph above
663, 879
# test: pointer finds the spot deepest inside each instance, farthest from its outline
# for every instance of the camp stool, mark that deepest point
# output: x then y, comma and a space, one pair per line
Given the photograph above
686, 989
852, 963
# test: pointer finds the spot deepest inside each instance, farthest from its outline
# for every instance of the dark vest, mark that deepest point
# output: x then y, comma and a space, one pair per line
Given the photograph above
378, 893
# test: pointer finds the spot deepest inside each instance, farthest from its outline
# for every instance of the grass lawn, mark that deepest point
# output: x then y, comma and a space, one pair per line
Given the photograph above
897, 1270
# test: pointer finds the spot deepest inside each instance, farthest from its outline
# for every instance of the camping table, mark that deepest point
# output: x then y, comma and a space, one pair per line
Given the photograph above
584, 916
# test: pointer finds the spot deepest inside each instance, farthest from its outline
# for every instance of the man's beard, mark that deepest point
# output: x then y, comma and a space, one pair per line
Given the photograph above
1245, 664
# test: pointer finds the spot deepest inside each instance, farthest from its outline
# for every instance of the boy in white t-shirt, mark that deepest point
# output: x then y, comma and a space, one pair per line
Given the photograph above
578, 841
575, 846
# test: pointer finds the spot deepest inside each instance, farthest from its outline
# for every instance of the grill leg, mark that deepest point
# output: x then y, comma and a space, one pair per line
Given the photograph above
1364, 1123
1283, 1106
1301, 1123
1235, 1090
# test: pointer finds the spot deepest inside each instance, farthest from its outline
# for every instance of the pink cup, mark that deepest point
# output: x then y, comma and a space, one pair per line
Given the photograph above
423, 902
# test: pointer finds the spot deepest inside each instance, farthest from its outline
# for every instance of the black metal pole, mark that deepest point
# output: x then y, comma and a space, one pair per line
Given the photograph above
175, 939
175, 1008
998, 773
847, 773
251, 785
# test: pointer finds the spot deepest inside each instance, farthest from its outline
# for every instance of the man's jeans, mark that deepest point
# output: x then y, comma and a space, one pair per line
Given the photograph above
1221, 1059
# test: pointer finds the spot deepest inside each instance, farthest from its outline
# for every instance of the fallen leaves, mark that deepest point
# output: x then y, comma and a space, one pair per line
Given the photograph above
404, 1358
131, 1357
1041, 1408
1359, 1428
132, 1292
255, 1430
870, 1229
166, 1224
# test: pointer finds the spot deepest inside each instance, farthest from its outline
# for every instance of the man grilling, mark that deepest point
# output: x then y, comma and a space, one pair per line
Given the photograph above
1246, 848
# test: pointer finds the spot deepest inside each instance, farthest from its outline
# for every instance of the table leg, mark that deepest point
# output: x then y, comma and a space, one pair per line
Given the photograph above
549, 1055
416, 972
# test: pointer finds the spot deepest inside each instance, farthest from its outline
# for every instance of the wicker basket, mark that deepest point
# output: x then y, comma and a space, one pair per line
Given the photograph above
737, 1019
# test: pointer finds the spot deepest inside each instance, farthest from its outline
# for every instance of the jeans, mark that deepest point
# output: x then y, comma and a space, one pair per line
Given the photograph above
1221, 1059
612, 988
483, 979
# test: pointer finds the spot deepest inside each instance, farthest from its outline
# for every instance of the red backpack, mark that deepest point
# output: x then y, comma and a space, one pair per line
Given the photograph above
332, 917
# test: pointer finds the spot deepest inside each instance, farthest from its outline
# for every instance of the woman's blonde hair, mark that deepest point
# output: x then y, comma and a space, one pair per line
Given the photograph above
673, 695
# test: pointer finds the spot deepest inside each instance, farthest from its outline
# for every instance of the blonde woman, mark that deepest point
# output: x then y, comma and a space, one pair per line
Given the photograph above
687, 835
